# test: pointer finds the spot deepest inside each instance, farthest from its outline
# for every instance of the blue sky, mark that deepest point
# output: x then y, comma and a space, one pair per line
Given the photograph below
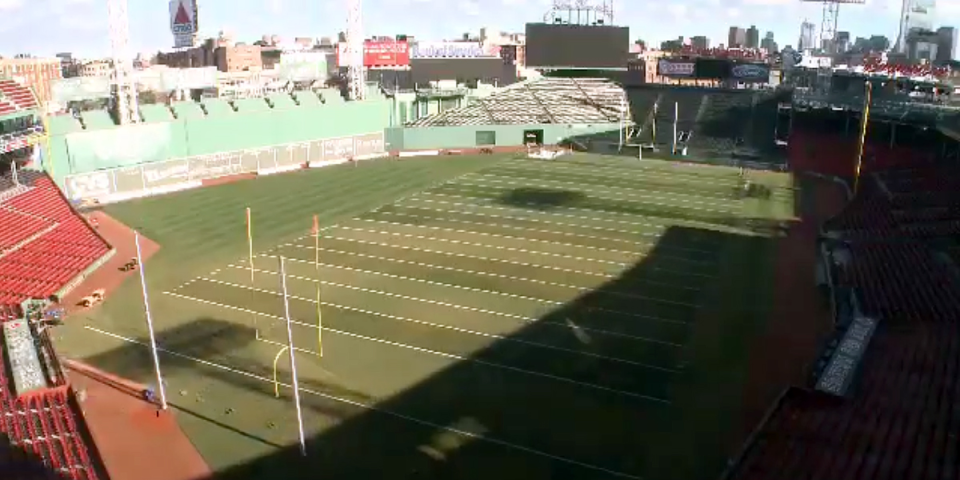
43, 27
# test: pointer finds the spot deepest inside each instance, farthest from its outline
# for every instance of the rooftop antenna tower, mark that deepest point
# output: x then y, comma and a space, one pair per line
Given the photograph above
123, 79
828, 34
356, 75
580, 12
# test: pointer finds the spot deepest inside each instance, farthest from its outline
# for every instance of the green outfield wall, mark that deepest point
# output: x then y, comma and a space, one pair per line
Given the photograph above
214, 126
480, 136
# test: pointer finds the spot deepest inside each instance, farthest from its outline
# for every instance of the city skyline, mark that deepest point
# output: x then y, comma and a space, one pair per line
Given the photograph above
45, 27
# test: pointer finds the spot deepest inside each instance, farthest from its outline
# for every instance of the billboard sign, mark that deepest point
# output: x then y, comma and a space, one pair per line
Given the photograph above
577, 46
750, 72
183, 23
454, 50
671, 68
378, 54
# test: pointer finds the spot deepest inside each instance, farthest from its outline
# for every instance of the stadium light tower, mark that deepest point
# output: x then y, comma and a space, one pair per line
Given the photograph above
356, 76
123, 79
828, 23
580, 12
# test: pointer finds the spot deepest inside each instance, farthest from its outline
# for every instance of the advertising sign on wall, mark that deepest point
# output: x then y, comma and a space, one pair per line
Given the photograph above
378, 54
183, 23
750, 73
671, 68
454, 50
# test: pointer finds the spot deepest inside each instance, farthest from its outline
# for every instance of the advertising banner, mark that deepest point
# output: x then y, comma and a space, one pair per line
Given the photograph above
183, 23
678, 69
750, 73
454, 50
378, 54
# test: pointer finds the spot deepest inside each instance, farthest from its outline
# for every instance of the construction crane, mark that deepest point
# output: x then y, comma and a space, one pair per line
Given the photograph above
125, 95
356, 75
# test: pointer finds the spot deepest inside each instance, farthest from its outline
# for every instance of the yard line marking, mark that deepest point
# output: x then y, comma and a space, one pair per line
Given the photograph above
662, 170
513, 249
433, 352
565, 215
453, 328
464, 255
521, 318
497, 275
595, 197
549, 222
479, 290
497, 292
509, 237
374, 408
656, 174
656, 194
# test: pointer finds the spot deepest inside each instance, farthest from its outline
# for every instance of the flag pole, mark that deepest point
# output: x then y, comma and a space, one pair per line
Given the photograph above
293, 360
256, 328
863, 135
676, 117
316, 263
153, 337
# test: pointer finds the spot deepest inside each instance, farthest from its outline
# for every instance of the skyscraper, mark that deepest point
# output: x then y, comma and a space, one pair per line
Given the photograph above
769, 44
737, 38
946, 43
806, 36
700, 42
915, 15
753, 37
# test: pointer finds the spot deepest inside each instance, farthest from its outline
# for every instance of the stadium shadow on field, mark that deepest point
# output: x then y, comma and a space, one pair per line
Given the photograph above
373, 444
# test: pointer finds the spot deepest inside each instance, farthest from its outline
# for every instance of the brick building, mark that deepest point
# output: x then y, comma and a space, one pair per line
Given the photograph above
35, 73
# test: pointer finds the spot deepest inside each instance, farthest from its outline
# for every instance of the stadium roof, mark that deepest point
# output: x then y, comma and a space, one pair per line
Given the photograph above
546, 100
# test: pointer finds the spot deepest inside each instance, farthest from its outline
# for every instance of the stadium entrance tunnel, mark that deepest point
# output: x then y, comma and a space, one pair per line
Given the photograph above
671, 405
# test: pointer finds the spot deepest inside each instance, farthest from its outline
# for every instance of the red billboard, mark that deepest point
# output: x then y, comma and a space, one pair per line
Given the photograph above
379, 54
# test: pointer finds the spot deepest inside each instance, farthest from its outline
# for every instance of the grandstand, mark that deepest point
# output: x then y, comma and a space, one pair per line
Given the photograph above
542, 101
45, 249
880, 400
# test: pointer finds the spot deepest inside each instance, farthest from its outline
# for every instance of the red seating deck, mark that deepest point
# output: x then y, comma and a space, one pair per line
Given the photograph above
42, 436
903, 419
43, 266
16, 95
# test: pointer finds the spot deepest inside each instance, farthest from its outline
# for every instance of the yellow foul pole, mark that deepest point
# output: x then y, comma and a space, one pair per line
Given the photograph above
863, 135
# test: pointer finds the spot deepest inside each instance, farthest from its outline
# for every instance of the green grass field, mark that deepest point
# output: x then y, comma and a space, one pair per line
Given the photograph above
483, 317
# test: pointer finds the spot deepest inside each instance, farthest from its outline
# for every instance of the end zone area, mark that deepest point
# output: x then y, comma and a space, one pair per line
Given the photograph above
579, 317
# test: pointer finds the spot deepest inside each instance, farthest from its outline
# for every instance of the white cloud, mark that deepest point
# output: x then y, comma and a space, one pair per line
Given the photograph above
8, 6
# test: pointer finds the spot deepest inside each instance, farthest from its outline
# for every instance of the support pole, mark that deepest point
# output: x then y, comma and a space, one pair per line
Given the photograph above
676, 117
316, 263
153, 337
256, 327
293, 359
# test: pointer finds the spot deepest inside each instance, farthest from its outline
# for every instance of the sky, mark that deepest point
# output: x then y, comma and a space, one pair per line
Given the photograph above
45, 27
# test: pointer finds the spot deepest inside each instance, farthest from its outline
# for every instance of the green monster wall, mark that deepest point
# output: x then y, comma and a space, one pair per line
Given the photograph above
74, 149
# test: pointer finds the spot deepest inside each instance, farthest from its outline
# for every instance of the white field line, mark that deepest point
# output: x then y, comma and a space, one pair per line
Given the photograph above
548, 222
487, 203
510, 249
430, 352
481, 290
443, 326
572, 186
374, 408
521, 318
657, 174
685, 204
498, 275
523, 239
658, 170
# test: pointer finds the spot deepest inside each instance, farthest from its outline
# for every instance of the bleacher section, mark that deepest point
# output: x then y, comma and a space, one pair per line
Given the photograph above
14, 97
546, 100
43, 434
49, 246
899, 416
